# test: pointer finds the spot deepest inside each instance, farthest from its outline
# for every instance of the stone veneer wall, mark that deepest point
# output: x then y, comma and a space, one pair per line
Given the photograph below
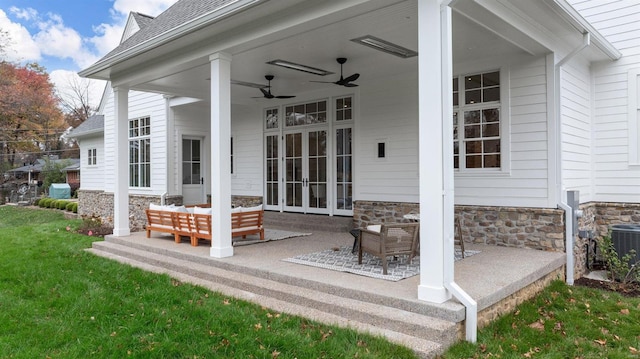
100, 204
538, 228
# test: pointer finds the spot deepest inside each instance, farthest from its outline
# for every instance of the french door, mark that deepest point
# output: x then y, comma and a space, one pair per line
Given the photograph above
192, 171
305, 162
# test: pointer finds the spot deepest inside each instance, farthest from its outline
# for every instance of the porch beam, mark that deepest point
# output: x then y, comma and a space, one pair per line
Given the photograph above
220, 154
431, 116
121, 174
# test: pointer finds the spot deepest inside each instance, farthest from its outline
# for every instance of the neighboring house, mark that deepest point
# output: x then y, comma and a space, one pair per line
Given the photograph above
541, 103
31, 173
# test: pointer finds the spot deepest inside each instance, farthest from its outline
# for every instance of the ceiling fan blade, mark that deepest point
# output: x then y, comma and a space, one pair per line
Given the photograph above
349, 84
351, 78
285, 96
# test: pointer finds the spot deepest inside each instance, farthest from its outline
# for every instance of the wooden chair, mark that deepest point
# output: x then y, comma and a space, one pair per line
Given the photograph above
392, 240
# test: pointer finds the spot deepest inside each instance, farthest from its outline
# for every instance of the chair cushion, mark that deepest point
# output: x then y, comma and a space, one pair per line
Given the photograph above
200, 210
236, 209
374, 227
252, 209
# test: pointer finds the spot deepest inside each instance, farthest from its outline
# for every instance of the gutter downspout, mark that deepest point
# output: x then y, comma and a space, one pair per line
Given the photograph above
586, 41
471, 306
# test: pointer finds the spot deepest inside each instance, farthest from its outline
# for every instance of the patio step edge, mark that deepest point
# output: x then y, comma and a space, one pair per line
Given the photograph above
449, 311
395, 320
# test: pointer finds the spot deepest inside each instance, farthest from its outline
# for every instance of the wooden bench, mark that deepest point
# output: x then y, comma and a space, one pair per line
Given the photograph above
198, 226
242, 224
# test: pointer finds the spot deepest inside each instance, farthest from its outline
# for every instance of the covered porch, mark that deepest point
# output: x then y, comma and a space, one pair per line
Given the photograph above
498, 278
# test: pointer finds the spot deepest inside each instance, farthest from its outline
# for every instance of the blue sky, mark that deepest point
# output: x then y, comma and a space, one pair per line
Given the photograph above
66, 36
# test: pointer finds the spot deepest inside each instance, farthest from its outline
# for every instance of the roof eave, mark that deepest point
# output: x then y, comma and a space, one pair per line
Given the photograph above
571, 15
103, 65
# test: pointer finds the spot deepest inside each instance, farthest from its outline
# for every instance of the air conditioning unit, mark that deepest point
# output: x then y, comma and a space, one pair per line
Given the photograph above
626, 237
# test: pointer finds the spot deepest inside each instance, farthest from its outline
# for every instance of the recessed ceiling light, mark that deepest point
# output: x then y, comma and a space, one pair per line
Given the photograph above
385, 46
299, 67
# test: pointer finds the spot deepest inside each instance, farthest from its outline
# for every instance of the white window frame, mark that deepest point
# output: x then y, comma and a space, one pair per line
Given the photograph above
92, 157
143, 135
505, 119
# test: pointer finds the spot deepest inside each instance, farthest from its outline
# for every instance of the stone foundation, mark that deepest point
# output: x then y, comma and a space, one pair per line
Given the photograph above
100, 204
508, 304
537, 228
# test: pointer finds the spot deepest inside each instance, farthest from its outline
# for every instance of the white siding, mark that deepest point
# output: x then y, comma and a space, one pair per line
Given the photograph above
92, 177
195, 121
525, 184
388, 112
616, 178
577, 128
140, 104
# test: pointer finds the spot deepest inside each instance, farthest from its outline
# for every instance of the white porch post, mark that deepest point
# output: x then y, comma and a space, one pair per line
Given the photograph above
121, 170
220, 155
431, 115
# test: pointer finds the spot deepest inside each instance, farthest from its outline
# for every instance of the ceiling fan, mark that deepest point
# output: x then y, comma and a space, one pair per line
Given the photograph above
344, 81
266, 91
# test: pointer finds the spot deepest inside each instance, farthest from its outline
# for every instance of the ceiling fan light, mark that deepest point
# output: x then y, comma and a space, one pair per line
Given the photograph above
385, 46
299, 67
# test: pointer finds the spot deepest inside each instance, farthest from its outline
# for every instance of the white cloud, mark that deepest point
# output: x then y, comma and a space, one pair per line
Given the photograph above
25, 14
147, 7
21, 45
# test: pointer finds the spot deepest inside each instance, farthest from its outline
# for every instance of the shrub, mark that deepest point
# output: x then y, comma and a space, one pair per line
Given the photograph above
74, 207
62, 204
46, 202
69, 206
620, 269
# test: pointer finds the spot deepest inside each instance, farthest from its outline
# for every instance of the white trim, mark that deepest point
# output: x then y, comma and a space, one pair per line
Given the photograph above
634, 116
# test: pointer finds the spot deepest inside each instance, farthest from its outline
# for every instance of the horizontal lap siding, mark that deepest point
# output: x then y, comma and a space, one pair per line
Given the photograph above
140, 104
577, 128
618, 20
247, 134
526, 184
388, 112
92, 176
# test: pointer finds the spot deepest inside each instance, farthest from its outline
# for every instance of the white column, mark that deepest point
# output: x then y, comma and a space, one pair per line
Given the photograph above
220, 155
121, 170
431, 116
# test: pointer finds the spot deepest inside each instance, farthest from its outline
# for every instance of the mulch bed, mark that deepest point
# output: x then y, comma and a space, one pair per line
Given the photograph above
629, 290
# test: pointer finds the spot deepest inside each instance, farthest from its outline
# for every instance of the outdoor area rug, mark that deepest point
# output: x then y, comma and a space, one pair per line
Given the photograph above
269, 235
341, 259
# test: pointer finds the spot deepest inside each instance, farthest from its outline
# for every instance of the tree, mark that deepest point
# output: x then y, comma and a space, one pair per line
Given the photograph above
30, 120
75, 101
52, 172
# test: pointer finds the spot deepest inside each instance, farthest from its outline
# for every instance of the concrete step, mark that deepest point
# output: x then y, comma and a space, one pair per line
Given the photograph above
428, 336
307, 222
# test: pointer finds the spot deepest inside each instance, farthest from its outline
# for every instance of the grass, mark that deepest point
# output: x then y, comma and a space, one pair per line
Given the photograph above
562, 322
58, 301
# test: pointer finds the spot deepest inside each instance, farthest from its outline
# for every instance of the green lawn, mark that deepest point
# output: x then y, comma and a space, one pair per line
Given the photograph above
562, 322
58, 301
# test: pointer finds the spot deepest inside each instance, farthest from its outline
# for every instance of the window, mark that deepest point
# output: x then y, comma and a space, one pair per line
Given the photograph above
476, 121
140, 152
306, 114
92, 157
344, 109
271, 118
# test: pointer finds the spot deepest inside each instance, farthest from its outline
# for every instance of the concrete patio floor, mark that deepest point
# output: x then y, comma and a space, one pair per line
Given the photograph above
488, 277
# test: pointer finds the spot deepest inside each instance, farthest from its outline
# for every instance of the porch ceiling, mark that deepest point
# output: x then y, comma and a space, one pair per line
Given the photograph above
477, 35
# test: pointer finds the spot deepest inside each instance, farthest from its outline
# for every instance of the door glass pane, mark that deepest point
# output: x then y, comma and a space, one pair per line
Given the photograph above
272, 170
344, 160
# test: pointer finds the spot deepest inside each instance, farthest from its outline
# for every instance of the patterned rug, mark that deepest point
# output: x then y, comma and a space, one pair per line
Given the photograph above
269, 235
342, 260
